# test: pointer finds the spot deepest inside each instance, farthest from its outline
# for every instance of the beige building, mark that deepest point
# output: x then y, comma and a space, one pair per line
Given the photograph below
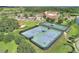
52, 15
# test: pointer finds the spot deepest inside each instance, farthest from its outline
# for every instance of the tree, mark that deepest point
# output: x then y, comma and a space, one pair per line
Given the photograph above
8, 24
23, 46
1, 36
9, 37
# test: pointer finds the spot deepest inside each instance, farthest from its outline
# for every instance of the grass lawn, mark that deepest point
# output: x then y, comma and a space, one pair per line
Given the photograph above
59, 46
3, 46
28, 24
74, 30
9, 47
31, 23
12, 47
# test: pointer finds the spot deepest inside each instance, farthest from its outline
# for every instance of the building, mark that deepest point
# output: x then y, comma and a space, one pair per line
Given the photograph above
52, 15
32, 18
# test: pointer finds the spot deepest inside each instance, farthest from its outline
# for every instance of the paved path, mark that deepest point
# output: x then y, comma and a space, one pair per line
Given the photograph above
76, 45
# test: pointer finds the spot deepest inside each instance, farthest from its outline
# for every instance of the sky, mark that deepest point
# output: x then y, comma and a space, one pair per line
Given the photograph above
39, 2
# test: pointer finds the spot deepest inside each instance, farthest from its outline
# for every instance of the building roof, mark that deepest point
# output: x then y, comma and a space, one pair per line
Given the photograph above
51, 15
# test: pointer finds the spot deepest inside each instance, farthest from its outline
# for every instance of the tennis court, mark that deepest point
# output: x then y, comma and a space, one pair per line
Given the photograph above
56, 26
46, 39
45, 34
32, 32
